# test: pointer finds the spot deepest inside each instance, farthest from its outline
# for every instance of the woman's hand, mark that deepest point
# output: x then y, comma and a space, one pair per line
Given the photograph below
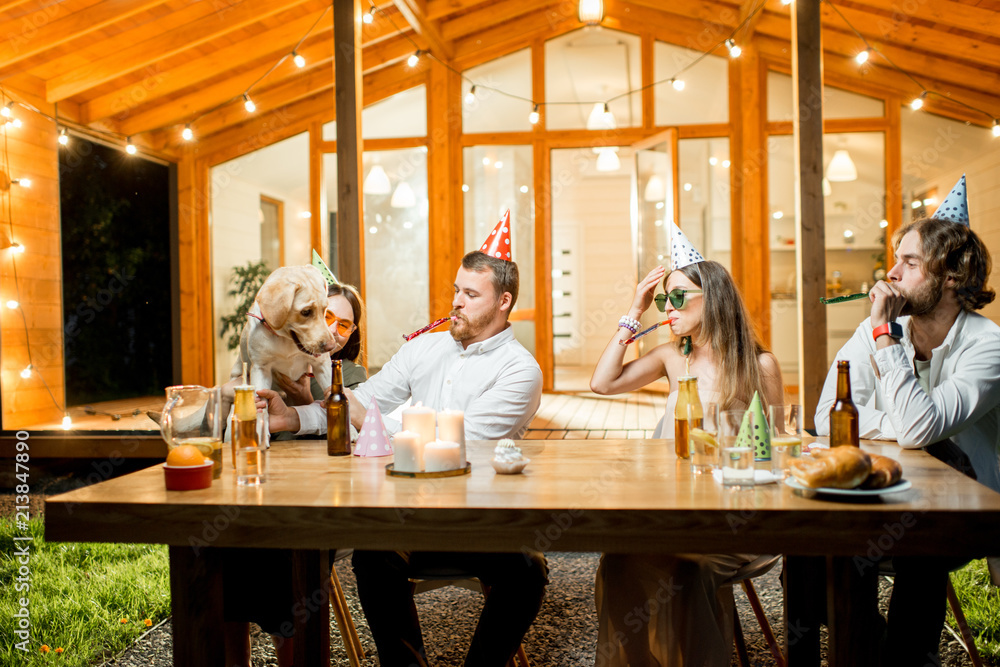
296, 393
644, 292
280, 417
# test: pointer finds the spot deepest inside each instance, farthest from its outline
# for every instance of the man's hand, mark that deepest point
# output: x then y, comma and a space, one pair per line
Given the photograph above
887, 303
280, 417
296, 393
357, 416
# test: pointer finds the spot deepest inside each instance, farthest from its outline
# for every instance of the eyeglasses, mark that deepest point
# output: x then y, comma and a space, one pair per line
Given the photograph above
678, 298
344, 327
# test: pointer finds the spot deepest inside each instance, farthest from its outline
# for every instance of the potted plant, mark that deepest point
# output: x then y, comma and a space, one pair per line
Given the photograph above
246, 281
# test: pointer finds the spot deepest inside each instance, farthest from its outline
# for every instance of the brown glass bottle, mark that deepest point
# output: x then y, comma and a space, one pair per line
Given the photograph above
338, 418
843, 414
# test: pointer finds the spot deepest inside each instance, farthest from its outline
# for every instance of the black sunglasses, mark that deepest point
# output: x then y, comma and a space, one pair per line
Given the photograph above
678, 298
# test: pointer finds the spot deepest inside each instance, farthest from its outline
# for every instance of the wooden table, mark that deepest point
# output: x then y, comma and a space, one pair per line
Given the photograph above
585, 495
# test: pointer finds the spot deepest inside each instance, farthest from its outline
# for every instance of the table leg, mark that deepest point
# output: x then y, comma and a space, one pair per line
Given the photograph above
311, 611
852, 604
196, 604
803, 588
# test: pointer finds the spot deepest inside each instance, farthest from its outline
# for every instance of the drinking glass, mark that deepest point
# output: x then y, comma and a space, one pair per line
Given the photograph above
251, 464
737, 459
191, 416
786, 437
703, 441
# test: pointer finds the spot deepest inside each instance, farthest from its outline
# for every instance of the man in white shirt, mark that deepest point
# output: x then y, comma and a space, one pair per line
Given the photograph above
480, 368
925, 371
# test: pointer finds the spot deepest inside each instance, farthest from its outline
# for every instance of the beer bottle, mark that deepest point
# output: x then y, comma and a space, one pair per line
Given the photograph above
687, 394
843, 414
338, 419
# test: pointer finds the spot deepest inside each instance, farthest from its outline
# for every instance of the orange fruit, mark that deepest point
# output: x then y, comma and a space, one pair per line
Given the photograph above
185, 455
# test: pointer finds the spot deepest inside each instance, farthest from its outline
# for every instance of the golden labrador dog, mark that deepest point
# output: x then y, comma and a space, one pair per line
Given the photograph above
286, 328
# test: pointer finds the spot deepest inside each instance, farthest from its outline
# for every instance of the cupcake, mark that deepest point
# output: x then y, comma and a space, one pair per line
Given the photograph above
507, 458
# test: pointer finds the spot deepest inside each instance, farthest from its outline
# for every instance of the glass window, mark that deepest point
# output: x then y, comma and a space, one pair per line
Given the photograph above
837, 103
498, 179
277, 172
705, 197
705, 95
592, 65
401, 115
396, 249
492, 111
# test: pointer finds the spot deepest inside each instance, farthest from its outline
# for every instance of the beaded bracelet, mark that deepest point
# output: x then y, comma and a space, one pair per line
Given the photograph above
629, 323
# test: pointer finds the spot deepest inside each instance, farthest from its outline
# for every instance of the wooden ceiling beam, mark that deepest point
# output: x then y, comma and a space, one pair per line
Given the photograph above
427, 31
437, 9
509, 36
980, 20
57, 25
162, 46
485, 18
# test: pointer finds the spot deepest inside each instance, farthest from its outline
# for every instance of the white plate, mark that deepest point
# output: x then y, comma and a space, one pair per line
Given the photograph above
901, 485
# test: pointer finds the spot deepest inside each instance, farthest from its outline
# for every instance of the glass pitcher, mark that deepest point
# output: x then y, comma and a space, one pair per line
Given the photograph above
191, 416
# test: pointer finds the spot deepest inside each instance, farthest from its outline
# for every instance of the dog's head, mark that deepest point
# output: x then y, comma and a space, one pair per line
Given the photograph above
293, 301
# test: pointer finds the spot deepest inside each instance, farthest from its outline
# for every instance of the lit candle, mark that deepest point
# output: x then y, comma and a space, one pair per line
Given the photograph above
420, 419
440, 456
408, 452
451, 428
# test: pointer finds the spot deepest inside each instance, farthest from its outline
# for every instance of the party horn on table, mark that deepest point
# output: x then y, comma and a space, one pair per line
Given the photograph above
643, 333
842, 299
433, 325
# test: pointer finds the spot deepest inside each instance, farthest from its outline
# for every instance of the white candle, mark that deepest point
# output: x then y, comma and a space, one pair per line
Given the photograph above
440, 456
451, 428
408, 452
420, 420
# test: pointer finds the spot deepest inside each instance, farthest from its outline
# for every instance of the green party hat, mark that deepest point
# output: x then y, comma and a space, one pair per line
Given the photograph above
754, 431
324, 269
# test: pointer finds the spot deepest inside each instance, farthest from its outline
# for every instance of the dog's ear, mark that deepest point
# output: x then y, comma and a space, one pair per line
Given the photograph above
275, 298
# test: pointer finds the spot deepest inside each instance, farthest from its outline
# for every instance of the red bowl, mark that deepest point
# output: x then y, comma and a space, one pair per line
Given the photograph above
187, 478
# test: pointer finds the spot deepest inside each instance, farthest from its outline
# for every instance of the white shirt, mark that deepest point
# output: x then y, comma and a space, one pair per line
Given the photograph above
963, 404
496, 382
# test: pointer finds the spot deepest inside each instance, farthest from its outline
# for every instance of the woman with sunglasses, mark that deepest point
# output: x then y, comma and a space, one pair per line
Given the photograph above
677, 609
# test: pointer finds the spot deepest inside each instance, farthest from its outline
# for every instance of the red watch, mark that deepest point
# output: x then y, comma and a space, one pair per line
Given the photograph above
891, 329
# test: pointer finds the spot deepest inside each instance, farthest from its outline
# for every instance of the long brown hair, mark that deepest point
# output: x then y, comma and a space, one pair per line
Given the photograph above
726, 329
353, 347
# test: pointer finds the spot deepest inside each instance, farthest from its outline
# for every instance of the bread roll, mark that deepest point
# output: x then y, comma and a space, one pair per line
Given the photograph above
841, 467
885, 472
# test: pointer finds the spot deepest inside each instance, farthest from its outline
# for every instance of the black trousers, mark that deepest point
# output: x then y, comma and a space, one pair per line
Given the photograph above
516, 584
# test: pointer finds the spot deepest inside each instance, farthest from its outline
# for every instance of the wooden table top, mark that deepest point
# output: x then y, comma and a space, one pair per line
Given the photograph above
584, 495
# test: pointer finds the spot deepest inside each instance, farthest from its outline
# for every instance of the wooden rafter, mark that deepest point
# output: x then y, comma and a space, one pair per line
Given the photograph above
140, 55
486, 17
944, 13
438, 8
425, 29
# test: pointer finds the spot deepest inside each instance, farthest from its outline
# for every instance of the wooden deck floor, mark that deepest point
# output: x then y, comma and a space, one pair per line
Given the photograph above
584, 415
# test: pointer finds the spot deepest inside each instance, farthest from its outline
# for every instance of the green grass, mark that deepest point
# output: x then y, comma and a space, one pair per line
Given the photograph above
981, 605
79, 594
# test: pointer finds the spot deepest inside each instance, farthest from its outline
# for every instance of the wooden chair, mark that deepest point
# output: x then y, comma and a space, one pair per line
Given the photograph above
348, 633
744, 576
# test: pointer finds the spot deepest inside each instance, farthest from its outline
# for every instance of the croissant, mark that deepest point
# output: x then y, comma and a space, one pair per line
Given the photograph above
841, 467
885, 472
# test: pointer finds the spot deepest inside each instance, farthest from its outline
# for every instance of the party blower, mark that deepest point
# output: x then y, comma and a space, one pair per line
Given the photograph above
433, 325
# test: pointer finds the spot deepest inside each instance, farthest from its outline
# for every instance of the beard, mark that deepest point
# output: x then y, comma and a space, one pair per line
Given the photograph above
463, 328
924, 299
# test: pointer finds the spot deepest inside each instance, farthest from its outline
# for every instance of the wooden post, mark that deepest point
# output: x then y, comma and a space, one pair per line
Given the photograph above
544, 351
347, 95
444, 172
316, 198
893, 175
810, 246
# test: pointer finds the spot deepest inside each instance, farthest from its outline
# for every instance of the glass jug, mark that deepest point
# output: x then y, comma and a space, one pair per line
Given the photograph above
191, 416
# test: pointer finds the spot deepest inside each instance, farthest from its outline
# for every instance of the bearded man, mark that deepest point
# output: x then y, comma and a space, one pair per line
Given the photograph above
925, 371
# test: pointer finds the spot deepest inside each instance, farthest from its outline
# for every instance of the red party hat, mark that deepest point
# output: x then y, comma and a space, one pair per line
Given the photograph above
498, 242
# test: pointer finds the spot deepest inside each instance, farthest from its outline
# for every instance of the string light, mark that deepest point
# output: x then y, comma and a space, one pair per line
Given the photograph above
187, 133
63, 137
787, 2
370, 16
17, 247
129, 146
12, 304
533, 116
678, 84
16, 122
413, 59
6, 109
862, 57
996, 128
67, 423
300, 62
470, 97
918, 102
26, 373
248, 103
734, 49
23, 182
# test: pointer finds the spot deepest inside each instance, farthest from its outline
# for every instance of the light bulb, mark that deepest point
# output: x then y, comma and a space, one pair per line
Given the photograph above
187, 133
786, 2
16, 247
63, 137
996, 128
129, 146
26, 373
5, 110
470, 97
23, 182
883, 223
299, 61
918, 102
862, 57
248, 103
67, 423
678, 84
533, 116
465, 187
734, 49
16, 122
12, 304
413, 59
498, 164
713, 161
370, 16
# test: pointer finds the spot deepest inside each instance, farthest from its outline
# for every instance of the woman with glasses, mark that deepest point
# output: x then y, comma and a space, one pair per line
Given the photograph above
677, 609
